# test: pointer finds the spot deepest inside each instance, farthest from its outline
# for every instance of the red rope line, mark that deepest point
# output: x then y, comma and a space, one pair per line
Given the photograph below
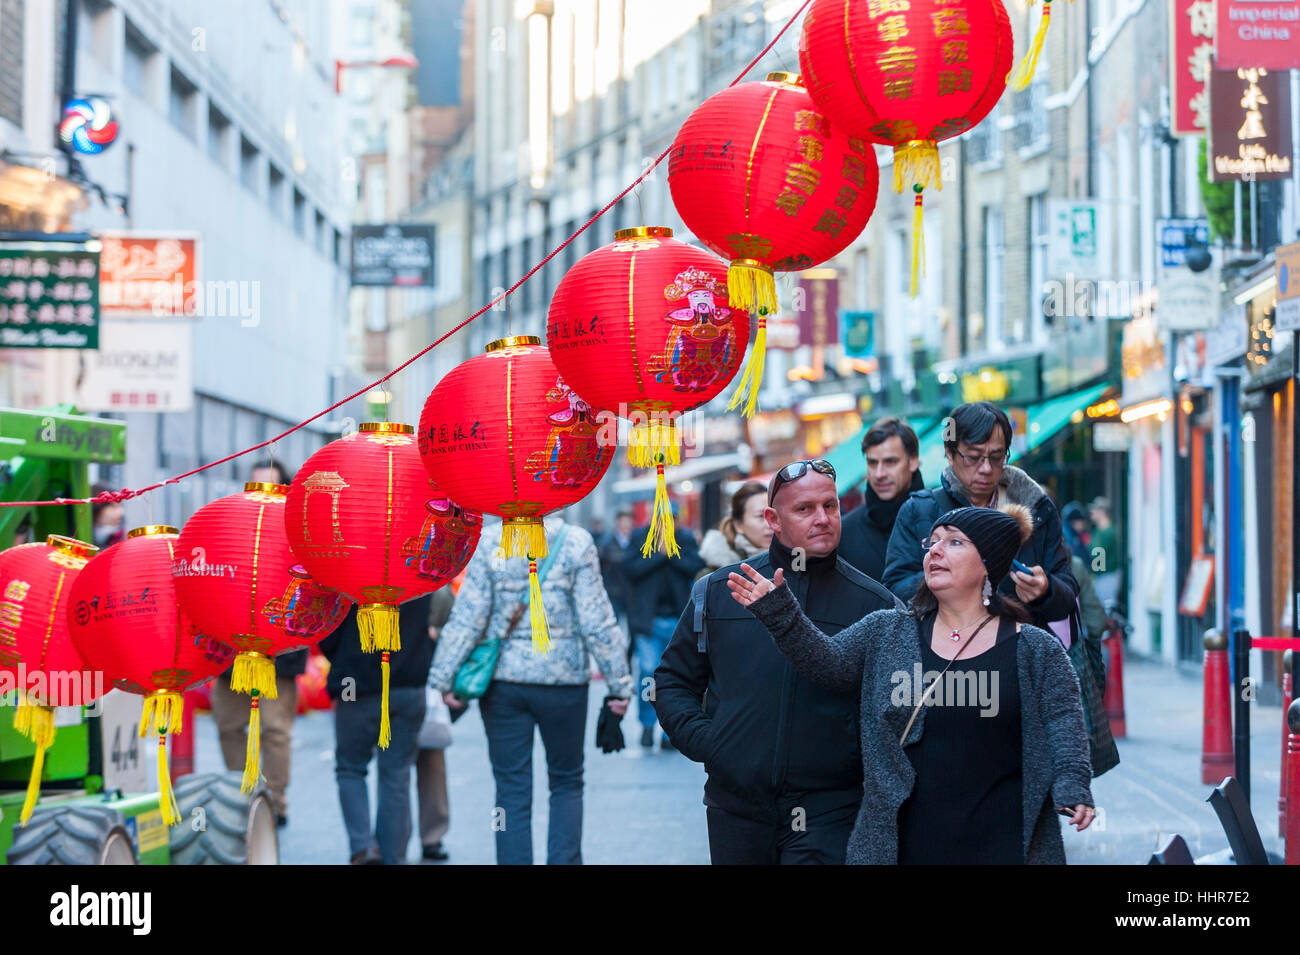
125, 494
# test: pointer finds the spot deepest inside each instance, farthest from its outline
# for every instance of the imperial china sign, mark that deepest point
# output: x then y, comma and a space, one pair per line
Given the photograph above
1257, 33
1250, 125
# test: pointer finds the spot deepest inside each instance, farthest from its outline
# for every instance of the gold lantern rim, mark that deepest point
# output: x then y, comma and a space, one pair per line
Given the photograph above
152, 530
385, 427
512, 341
267, 487
71, 545
644, 232
788, 78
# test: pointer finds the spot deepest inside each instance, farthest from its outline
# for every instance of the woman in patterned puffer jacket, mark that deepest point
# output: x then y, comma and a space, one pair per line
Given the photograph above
533, 691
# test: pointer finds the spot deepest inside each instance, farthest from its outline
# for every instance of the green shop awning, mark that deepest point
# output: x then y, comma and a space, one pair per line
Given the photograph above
1049, 417
848, 461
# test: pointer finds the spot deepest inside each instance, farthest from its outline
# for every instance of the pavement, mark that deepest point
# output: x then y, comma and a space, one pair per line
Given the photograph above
644, 806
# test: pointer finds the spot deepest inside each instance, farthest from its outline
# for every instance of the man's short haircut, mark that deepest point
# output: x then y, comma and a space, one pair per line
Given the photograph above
628, 514
887, 428
974, 423
284, 477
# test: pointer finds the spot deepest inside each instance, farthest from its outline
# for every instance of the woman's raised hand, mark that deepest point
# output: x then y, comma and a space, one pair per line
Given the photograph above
753, 585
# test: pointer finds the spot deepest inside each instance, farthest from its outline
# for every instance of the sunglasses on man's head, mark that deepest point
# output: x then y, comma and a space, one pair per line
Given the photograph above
797, 469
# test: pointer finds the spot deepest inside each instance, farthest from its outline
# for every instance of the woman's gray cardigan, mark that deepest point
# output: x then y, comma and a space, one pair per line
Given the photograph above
866, 656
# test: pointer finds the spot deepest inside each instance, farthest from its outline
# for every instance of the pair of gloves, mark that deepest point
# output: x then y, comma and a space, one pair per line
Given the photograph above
609, 729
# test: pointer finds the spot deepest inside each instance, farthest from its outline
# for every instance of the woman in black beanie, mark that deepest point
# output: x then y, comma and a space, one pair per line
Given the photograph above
973, 736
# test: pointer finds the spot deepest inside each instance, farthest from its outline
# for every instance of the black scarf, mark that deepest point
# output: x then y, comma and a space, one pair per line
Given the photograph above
783, 557
883, 513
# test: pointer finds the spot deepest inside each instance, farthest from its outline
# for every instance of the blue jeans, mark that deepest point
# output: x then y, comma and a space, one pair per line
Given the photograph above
649, 649
510, 713
356, 733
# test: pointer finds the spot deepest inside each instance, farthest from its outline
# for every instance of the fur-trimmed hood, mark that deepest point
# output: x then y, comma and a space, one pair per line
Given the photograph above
1016, 487
716, 552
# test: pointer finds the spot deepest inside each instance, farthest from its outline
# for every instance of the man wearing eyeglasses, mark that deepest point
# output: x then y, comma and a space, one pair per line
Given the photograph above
977, 441
782, 753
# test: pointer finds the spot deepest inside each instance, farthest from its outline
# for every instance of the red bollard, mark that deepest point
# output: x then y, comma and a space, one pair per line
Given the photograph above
1291, 776
1284, 793
1216, 739
1114, 697
182, 743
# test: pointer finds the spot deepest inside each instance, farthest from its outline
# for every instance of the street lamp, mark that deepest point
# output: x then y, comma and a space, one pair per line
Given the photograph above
405, 61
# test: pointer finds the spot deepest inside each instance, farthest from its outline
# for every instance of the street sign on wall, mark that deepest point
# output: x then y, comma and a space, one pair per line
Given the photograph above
141, 365
393, 255
1075, 240
1191, 57
1287, 266
143, 274
1257, 33
859, 334
49, 293
1250, 125
1189, 300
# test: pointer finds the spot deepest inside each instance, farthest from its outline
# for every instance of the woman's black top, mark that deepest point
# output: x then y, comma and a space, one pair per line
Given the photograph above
965, 808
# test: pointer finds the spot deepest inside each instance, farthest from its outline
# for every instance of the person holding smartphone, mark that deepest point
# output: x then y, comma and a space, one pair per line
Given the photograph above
972, 730
977, 442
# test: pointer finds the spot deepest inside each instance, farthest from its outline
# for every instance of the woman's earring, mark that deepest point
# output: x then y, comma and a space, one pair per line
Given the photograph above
988, 591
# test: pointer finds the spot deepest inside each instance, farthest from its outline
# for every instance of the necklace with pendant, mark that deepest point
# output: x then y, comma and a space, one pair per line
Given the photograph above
956, 634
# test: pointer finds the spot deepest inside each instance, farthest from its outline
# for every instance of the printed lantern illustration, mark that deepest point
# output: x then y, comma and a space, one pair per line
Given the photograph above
643, 325
505, 434
237, 579
761, 176
35, 581
907, 73
359, 522
124, 619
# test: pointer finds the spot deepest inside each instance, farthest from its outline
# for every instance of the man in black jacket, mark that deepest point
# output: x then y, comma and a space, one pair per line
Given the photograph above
355, 684
782, 754
658, 587
893, 457
977, 437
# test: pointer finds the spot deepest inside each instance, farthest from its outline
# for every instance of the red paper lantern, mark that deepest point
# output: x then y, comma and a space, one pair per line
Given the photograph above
238, 580
124, 619
503, 433
359, 520
36, 652
643, 326
761, 177
907, 73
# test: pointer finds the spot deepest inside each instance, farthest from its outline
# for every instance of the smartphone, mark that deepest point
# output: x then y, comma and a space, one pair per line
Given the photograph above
1016, 565
1066, 812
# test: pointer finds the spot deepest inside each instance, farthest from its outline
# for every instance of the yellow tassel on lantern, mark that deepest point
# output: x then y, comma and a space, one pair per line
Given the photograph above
521, 538
162, 713
916, 163
650, 438
751, 286
38, 726
662, 535
23, 715
385, 731
918, 238
166, 798
378, 626
1024, 72
753, 376
537, 611
252, 755
254, 673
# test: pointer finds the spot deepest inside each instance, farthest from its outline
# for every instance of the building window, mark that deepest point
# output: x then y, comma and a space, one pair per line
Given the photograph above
218, 136
993, 262
299, 214
248, 166
338, 246
135, 61
319, 233
1037, 262
984, 142
275, 190
180, 104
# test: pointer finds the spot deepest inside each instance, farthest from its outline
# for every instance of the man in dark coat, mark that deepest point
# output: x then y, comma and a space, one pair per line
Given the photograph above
893, 456
976, 440
782, 754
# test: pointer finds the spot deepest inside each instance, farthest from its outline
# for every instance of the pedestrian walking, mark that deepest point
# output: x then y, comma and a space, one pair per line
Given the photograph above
612, 549
1076, 530
659, 587
893, 456
977, 439
531, 692
781, 752
432, 801
742, 534
972, 732
1104, 557
355, 684
230, 709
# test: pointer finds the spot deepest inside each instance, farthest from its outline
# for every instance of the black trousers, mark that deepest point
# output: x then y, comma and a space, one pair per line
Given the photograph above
796, 839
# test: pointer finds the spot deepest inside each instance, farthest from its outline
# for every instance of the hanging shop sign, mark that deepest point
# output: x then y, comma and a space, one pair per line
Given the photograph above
393, 255
1143, 360
1076, 230
139, 366
859, 334
782, 332
49, 293
818, 299
1189, 300
1191, 57
1111, 436
1226, 341
1250, 125
1256, 33
143, 274
1287, 265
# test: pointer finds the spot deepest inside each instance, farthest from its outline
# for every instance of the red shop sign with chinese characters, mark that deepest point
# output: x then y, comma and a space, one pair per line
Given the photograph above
148, 275
1258, 34
1191, 35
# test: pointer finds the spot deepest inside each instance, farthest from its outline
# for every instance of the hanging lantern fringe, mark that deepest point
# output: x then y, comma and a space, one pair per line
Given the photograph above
385, 730
537, 611
751, 285
651, 439
523, 538
37, 724
252, 755
162, 713
254, 673
916, 163
753, 376
662, 535
1024, 71
166, 797
918, 238
377, 624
